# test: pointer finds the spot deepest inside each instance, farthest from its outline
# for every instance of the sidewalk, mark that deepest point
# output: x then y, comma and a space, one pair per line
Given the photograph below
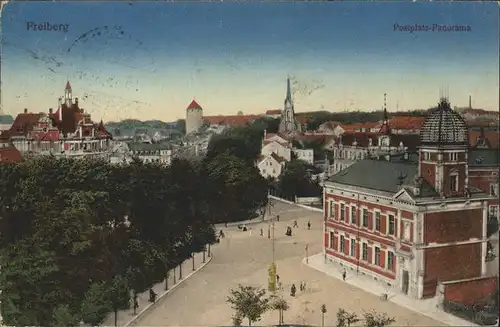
127, 317
426, 307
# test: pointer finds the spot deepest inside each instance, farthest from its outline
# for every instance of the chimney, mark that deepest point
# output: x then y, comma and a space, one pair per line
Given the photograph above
51, 111
25, 110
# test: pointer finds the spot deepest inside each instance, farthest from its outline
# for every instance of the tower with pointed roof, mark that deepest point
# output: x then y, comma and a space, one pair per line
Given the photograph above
68, 101
288, 122
194, 117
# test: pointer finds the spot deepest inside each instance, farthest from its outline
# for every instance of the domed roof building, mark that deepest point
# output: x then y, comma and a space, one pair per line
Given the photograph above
444, 127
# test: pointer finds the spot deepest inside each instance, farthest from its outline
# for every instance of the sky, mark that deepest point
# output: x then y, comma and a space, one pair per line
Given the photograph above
148, 60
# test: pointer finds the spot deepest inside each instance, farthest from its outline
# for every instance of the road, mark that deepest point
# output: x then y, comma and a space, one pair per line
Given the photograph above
244, 258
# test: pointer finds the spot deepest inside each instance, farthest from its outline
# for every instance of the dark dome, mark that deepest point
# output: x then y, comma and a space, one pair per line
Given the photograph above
444, 126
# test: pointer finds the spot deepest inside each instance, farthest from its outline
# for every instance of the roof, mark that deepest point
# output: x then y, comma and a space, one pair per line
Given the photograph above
273, 112
444, 126
135, 146
491, 138
10, 154
23, 124
406, 122
272, 155
484, 158
381, 175
194, 105
362, 139
68, 86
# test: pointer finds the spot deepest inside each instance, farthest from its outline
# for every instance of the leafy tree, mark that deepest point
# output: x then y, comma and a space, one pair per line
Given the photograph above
280, 304
346, 319
374, 319
249, 302
271, 125
296, 180
237, 320
119, 295
63, 317
96, 304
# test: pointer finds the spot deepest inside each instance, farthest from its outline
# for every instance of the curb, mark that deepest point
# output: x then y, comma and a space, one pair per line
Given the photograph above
150, 305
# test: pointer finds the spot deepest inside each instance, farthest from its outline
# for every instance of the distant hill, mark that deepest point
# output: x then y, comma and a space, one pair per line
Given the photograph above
133, 124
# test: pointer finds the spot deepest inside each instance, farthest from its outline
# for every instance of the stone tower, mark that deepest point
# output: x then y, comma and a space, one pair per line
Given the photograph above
194, 117
288, 122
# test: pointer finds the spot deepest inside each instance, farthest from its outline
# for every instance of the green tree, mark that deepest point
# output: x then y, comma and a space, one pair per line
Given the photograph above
64, 317
296, 181
96, 304
374, 319
119, 295
279, 304
249, 302
346, 319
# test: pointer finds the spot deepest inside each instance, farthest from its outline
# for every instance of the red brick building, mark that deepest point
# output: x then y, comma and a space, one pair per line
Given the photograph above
69, 131
411, 222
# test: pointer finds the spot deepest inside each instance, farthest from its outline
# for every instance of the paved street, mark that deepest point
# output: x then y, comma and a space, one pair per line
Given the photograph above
244, 257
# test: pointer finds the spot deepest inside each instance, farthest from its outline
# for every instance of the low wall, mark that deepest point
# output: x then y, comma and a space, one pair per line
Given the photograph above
468, 291
298, 205
308, 200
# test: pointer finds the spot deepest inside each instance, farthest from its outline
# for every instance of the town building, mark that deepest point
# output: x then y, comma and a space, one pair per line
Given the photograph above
289, 123
194, 117
415, 225
273, 113
271, 166
145, 152
69, 131
350, 147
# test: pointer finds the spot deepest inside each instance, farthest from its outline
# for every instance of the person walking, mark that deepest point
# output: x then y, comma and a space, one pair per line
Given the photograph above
295, 225
344, 274
309, 225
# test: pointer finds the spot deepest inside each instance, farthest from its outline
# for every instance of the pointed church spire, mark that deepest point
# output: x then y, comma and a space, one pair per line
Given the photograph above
386, 118
68, 86
288, 90
385, 129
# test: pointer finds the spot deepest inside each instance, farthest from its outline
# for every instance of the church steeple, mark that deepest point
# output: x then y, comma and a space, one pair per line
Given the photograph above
385, 129
288, 122
288, 91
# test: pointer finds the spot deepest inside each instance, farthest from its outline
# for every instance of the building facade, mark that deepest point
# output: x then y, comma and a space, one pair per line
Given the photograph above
271, 166
411, 223
69, 131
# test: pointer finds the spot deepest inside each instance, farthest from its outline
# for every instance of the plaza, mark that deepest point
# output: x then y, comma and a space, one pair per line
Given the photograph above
244, 258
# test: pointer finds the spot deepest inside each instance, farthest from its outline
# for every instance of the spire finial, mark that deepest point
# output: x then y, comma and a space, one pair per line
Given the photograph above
288, 89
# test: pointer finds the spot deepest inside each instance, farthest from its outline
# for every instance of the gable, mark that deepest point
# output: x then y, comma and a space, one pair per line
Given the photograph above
273, 145
403, 195
267, 159
276, 138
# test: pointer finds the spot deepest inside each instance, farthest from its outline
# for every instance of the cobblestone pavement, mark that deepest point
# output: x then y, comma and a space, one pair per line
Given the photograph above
244, 258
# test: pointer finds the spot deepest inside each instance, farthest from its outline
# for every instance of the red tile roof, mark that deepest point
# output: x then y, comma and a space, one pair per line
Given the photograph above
194, 105
68, 86
492, 138
10, 154
406, 122
273, 112
23, 124
101, 130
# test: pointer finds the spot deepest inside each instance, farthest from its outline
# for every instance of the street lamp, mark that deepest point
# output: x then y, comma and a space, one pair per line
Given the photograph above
307, 253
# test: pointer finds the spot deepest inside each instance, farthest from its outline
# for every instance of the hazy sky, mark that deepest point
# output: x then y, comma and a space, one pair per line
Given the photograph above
147, 60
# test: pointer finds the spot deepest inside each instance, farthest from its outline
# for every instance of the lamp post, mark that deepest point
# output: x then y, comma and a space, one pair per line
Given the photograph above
307, 253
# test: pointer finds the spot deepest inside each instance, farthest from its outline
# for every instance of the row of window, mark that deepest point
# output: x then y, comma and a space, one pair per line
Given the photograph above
379, 257
348, 214
452, 156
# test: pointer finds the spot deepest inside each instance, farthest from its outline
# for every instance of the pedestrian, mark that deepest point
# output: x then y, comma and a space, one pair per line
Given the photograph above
278, 218
293, 290
304, 286
225, 224
261, 232
295, 225
278, 278
309, 225
301, 288
344, 274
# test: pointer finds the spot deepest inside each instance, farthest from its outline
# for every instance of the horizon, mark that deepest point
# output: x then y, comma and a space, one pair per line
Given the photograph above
134, 70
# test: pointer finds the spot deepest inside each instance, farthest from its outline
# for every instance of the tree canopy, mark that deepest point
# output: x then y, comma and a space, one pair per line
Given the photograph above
297, 180
76, 236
